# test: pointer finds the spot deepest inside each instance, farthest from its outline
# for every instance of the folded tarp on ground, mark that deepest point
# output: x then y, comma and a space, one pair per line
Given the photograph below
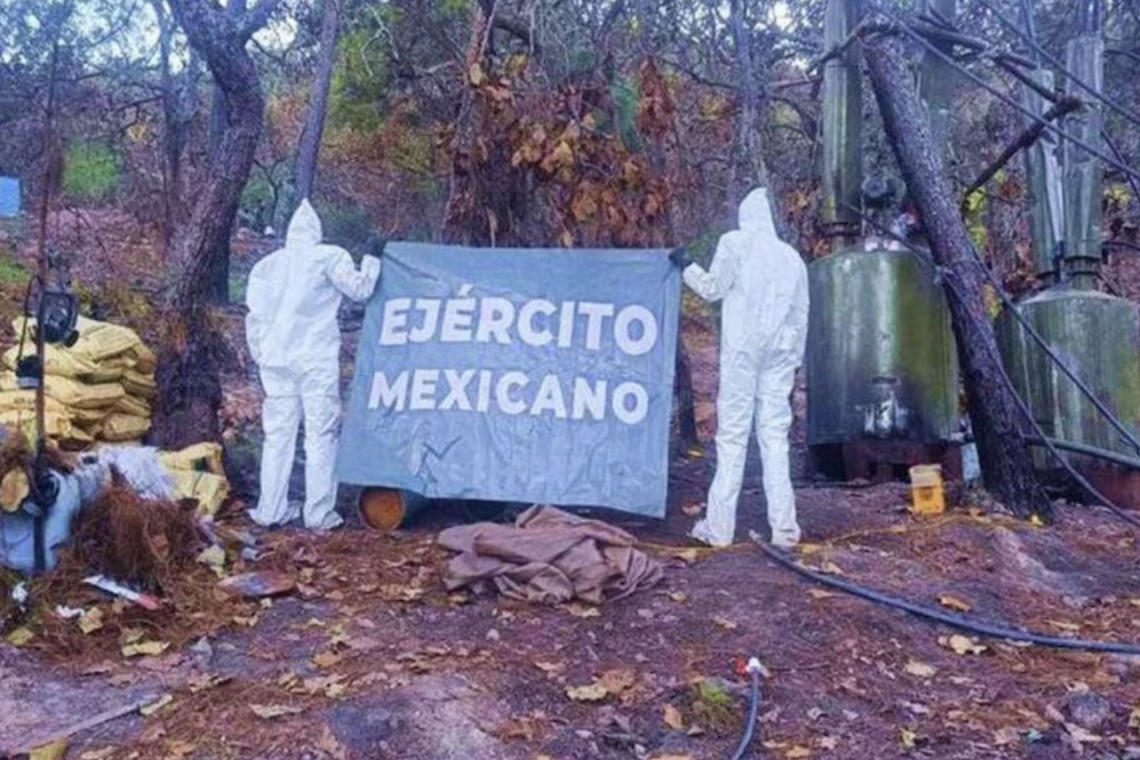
549, 556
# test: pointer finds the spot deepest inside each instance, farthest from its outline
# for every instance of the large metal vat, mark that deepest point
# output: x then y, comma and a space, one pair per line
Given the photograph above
881, 361
1098, 338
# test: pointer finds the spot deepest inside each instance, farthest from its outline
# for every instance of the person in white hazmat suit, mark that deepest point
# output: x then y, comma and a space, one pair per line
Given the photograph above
763, 284
293, 297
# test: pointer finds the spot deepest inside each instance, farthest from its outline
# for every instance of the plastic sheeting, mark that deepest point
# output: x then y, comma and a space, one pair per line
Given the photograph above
17, 529
529, 375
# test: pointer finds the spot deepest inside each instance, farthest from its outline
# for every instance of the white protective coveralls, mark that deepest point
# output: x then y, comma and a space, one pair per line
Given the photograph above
764, 317
293, 297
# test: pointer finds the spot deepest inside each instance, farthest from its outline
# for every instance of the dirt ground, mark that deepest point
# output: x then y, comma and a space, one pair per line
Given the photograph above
370, 657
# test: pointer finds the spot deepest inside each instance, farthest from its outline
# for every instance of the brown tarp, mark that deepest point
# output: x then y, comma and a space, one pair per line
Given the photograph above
549, 556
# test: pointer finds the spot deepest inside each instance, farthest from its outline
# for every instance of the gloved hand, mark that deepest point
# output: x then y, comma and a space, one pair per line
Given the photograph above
376, 245
680, 257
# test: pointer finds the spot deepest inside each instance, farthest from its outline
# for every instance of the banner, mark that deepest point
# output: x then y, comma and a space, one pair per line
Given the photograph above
531, 375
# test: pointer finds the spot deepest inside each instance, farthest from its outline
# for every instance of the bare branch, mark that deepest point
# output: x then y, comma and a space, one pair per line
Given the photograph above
1029, 136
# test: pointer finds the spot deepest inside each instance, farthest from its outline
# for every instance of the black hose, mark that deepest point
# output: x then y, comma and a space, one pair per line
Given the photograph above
753, 712
947, 618
1090, 451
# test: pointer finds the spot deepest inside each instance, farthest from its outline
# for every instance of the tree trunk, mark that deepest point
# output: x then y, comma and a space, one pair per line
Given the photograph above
310, 144
218, 287
189, 388
1006, 465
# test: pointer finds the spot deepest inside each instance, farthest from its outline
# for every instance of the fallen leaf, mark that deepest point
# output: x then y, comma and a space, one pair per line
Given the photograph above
678, 596
55, 750
828, 742
146, 648
797, 753
954, 603
1134, 719
1062, 625
97, 754
907, 738
214, 556
19, 637
818, 593
961, 645
582, 610
618, 680
206, 681
131, 635
672, 718
920, 669
150, 709
91, 620
814, 714
725, 623
268, 712
550, 668
593, 692
1078, 736
326, 659
830, 568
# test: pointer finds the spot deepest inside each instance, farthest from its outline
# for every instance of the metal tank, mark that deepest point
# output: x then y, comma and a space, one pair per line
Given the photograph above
881, 365
1096, 335
881, 360
1098, 338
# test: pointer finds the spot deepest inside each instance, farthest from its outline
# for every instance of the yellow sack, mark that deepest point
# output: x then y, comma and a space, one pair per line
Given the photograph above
138, 384
114, 345
201, 457
98, 341
57, 426
124, 427
86, 418
145, 360
25, 401
209, 489
133, 405
58, 361
71, 392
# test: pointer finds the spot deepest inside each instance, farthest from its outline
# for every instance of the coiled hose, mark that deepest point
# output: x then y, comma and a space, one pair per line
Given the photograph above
946, 618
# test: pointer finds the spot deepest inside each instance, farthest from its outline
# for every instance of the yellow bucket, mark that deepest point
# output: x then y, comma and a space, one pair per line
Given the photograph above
926, 489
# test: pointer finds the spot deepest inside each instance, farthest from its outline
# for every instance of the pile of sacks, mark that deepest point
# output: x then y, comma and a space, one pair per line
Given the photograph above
100, 389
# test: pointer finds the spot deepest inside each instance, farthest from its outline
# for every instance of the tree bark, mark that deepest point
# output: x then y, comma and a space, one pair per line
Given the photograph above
1006, 464
189, 388
310, 144
218, 279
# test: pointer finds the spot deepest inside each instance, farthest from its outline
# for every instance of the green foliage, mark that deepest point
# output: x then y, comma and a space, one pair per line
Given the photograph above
713, 705
626, 95
413, 152
359, 82
454, 7
256, 209
90, 172
345, 225
12, 272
